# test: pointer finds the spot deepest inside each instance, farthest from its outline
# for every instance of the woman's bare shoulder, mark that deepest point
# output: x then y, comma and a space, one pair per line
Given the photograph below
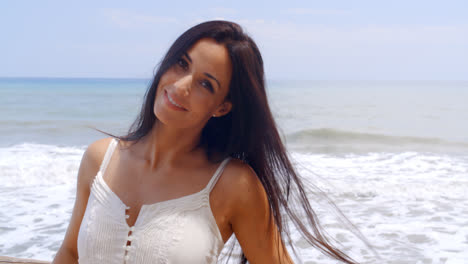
96, 151
92, 159
237, 177
233, 168
238, 172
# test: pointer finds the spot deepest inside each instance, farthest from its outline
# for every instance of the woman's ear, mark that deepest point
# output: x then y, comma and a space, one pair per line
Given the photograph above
223, 109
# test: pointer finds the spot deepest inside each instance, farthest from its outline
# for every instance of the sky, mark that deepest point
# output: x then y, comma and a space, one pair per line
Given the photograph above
299, 40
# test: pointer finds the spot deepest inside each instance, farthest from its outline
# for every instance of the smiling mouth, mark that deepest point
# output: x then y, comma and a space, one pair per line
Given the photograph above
172, 102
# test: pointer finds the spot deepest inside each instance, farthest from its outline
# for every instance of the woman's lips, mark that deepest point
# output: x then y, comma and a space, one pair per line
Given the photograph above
166, 99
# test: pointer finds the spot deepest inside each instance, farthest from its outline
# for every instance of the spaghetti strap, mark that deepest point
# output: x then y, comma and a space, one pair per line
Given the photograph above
217, 174
107, 156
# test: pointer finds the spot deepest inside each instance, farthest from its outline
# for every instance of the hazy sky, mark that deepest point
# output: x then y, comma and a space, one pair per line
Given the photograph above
316, 40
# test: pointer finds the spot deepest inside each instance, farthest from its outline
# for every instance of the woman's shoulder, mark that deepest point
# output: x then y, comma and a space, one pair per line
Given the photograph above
238, 179
92, 159
96, 150
247, 195
235, 171
239, 171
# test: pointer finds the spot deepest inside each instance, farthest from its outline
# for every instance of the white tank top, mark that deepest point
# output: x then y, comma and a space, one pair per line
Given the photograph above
181, 230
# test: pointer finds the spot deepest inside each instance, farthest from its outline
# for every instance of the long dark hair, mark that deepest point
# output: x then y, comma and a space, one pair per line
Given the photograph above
248, 132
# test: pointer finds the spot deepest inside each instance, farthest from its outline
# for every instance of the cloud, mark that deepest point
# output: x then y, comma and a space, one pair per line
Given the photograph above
311, 11
332, 35
360, 51
222, 11
127, 19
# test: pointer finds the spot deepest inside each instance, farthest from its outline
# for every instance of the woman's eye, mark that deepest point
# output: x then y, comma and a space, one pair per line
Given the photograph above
182, 63
207, 84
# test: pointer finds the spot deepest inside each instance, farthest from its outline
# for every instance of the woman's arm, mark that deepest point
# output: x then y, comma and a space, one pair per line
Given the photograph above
90, 162
257, 234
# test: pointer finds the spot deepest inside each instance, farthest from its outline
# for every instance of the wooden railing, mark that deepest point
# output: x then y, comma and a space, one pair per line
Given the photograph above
9, 260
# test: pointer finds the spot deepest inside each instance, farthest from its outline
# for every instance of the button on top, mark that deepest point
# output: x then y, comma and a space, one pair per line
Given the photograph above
132, 228
127, 207
127, 216
127, 247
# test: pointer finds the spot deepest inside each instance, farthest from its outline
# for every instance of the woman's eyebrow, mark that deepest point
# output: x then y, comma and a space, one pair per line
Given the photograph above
207, 74
212, 77
188, 57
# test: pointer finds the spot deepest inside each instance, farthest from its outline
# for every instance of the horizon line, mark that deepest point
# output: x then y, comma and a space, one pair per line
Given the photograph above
268, 79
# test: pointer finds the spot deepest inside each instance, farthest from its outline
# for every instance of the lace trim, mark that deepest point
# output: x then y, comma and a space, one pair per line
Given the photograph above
167, 230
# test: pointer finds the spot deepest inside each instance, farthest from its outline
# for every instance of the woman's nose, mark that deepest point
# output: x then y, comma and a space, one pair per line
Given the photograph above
184, 84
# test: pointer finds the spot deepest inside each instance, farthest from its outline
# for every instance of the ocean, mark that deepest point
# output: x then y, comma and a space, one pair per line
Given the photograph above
392, 155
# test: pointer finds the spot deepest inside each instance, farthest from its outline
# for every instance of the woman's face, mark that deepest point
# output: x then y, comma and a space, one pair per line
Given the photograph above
199, 82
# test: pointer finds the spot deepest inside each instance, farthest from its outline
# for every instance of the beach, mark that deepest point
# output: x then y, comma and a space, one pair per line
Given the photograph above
392, 155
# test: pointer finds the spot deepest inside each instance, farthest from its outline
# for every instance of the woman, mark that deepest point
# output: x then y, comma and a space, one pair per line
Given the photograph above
204, 160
